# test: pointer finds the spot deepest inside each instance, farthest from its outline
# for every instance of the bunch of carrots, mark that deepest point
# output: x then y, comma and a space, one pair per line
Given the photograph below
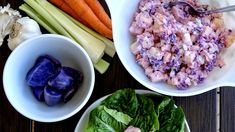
89, 12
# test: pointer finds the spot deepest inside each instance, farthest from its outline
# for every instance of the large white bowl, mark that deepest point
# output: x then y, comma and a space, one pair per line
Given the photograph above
23, 58
83, 122
122, 12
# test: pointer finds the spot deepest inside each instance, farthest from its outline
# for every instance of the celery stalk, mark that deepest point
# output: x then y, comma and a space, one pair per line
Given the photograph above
47, 16
101, 66
94, 47
110, 49
29, 11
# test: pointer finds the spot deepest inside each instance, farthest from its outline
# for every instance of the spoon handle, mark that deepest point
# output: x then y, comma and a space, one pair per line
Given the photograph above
220, 10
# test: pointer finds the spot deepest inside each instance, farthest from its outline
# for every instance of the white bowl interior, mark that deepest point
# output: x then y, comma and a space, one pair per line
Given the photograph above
23, 58
123, 39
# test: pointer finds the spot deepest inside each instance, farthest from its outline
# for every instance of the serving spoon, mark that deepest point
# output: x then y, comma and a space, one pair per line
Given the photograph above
195, 11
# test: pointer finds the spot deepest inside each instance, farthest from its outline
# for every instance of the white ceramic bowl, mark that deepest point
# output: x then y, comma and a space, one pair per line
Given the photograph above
23, 58
83, 122
122, 12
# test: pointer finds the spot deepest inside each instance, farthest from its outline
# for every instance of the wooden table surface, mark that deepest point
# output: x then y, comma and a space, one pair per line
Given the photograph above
209, 112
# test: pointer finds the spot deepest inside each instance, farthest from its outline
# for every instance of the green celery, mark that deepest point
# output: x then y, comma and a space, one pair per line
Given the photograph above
110, 49
101, 66
28, 10
33, 4
94, 47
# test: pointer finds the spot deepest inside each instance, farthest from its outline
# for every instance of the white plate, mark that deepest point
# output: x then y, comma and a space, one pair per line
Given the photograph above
82, 124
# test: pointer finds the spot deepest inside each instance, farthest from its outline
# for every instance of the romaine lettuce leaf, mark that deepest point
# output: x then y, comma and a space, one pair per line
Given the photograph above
172, 121
146, 118
119, 116
101, 121
123, 101
161, 107
97, 125
171, 118
160, 102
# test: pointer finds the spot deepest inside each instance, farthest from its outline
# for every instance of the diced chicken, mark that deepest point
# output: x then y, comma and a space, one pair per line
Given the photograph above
144, 20
135, 29
157, 76
229, 40
144, 62
217, 23
179, 15
167, 57
148, 70
208, 30
220, 63
132, 129
146, 40
200, 60
165, 48
154, 52
189, 57
187, 39
135, 48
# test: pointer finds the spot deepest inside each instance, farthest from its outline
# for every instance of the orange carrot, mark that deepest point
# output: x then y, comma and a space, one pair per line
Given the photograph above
85, 12
66, 8
99, 11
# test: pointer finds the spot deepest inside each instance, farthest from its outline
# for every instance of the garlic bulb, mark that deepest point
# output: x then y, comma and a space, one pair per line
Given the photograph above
23, 29
8, 17
18, 28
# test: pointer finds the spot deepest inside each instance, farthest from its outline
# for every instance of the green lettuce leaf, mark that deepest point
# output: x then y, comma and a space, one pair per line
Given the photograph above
146, 118
119, 116
123, 101
97, 125
171, 118
161, 107
101, 121
172, 121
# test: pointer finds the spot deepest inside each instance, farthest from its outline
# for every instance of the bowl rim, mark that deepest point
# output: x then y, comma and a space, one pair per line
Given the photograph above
65, 116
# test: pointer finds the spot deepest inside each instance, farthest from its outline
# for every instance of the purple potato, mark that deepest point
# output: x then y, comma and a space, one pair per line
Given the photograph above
48, 57
66, 79
51, 96
75, 74
38, 92
41, 72
69, 94
61, 82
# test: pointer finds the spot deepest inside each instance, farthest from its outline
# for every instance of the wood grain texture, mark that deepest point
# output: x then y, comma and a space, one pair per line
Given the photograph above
200, 111
10, 119
227, 115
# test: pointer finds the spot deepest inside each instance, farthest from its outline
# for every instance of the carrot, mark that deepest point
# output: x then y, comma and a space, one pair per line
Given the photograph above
99, 11
66, 8
85, 12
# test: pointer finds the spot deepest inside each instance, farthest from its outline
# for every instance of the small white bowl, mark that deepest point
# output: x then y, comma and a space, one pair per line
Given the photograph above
22, 59
123, 39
